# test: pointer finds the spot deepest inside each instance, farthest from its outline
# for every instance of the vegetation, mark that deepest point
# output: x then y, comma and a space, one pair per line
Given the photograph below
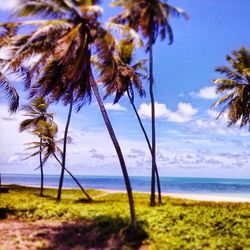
177, 224
68, 41
37, 112
63, 71
48, 147
10, 92
236, 86
151, 18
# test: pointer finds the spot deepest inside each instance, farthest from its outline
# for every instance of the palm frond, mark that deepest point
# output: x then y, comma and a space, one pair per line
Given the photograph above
223, 100
39, 8
125, 32
237, 83
11, 93
226, 85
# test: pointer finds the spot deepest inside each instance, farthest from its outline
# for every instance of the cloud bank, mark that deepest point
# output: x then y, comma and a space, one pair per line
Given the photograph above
184, 113
208, 93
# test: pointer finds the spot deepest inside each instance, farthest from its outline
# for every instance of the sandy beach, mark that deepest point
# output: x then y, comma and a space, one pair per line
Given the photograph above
210, 197
198, 197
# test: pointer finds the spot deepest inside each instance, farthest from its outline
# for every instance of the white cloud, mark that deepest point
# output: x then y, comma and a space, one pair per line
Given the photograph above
218, 124
208, 93
5, 52
8, 5
161, 110
114, 107
184, 112
12, 159
214, 114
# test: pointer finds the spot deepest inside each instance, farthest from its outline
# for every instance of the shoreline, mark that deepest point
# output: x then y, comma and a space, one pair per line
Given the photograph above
189, 196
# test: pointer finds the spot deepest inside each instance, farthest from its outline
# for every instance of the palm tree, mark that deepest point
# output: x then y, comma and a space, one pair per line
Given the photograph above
37, 111
64, 68
150, 18
64, 151
236, 86
48, 147
129, 76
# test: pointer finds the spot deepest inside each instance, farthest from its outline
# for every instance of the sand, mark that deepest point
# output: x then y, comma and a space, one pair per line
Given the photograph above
198, 197
210, 197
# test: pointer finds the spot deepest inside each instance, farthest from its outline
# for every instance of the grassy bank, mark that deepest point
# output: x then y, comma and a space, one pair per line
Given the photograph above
177, 224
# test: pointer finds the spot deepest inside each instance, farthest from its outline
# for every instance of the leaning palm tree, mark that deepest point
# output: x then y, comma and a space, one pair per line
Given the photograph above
65, 45
37, 111
150, 18
236, 87
129, 77
48, 147
64, 151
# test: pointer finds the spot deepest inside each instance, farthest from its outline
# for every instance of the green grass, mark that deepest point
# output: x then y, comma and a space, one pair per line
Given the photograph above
177, 224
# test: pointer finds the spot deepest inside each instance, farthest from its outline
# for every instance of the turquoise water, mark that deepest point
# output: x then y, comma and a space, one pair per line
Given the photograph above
232, 187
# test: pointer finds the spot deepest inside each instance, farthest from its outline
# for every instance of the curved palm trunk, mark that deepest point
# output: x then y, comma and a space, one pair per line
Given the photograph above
41, 169
64, 151
118, 151
149, 146
151, 92
74, 178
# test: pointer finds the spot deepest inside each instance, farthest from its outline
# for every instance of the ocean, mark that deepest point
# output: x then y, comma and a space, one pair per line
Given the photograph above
225, 187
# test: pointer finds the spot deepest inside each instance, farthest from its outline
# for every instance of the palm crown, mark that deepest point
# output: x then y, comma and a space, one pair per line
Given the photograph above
64, 44
128, 75
37, 111
149, 17
47, 145
236, 86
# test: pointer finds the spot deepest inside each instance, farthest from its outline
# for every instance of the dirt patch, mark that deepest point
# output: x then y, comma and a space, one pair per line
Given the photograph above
24, 235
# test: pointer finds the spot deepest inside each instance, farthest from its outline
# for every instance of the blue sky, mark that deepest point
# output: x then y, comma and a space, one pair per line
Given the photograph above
190, 141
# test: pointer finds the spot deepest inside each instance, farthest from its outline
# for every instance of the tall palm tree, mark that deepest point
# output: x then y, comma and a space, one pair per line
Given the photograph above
129, 76
150, 18
48, 147
64, 44
37, 111
236, 87
64, 151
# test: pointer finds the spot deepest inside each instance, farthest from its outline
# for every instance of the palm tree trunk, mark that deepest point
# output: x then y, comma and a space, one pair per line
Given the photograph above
118, 151
78, 183
151, 92
74, 178
41, 168
158, 184
149, 146
64, 151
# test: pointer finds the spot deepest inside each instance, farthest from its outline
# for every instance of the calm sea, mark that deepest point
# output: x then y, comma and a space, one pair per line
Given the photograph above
232, 187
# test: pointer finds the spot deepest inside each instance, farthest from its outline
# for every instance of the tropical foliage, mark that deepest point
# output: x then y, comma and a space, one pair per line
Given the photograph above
38, 115
151, 18
64, 42
10, 91
48, 147
177, 224
128, 75
236, 87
